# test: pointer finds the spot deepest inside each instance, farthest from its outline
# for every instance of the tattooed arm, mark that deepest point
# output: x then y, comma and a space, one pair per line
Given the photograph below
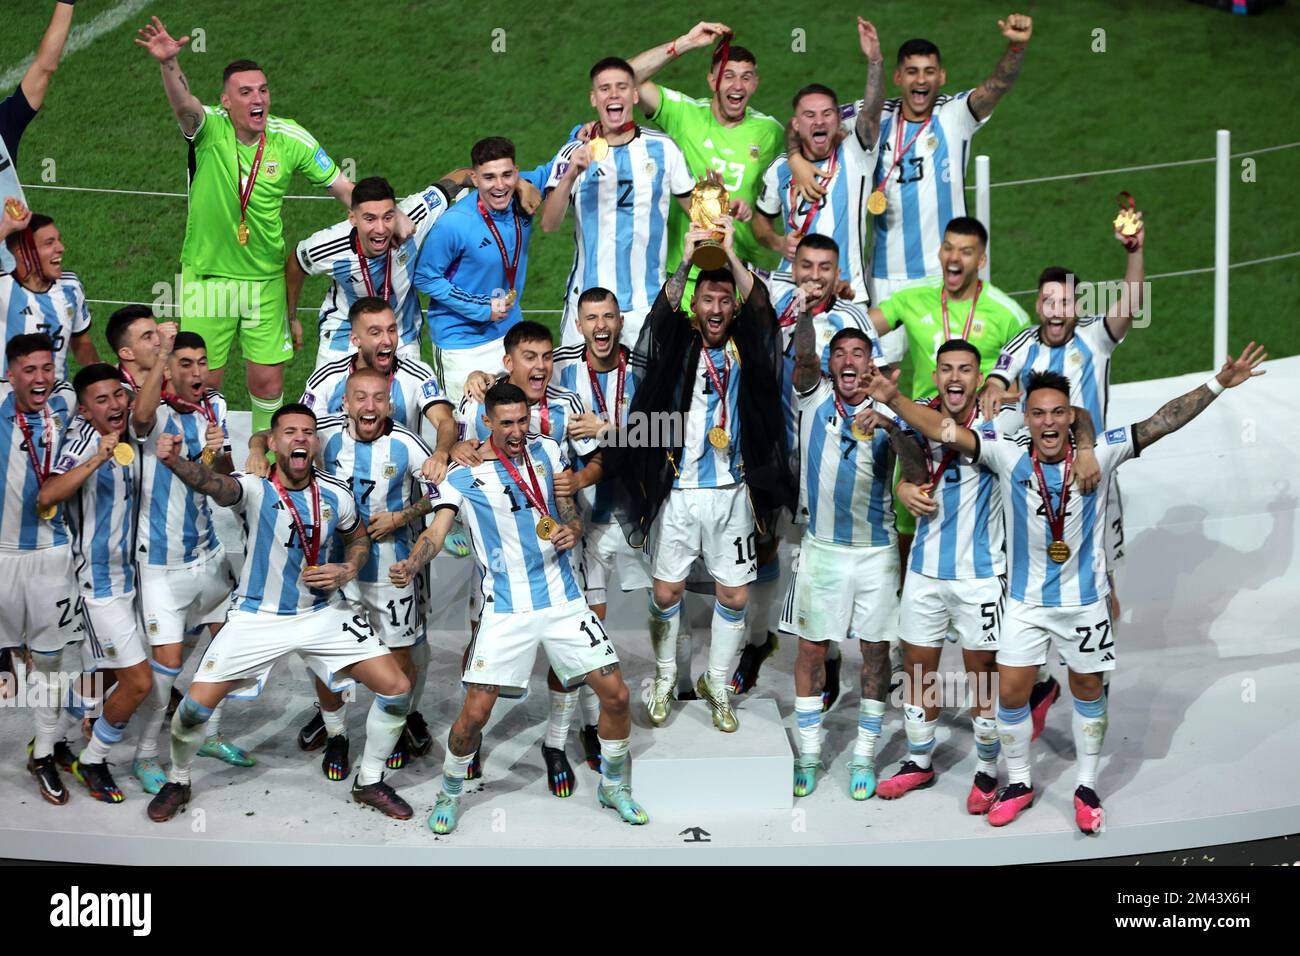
189, 111
384, 523
676, 285
426, 548
222, 489
1174, 414
807, 366
1017, 29
867, 125
570, 530
910, 456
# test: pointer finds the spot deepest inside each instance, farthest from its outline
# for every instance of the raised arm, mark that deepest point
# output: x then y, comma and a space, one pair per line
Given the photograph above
1017, 28
185, 105
739, 271
930, 422
556, 205
222, 489
37, 78
675, 287
1176, 413
867, 125
910, 457
60, 487
144, 411
651, 61
1120, 318
807, 364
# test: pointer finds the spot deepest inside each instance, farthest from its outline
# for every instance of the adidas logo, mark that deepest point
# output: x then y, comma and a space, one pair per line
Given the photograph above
1109, 657
486, 242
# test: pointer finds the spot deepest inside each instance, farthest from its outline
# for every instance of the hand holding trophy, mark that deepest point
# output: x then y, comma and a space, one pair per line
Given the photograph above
709, 202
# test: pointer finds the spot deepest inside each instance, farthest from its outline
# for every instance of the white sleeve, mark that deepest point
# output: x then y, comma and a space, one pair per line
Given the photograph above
1115, 447
995, 451
680, 180
250, 491
1097, 334
769, 193
318, 251
81, 311
424, 209
956, 117
560, 165
445, 494
809, 400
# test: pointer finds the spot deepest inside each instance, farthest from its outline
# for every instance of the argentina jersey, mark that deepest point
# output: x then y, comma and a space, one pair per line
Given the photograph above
412, 389
334, 252
384, 475
101, 516
1084, 359
21, 529
572, 373
620, 208
60, 312
521, 572
549, 418
270, 581
845, 485
1034, 578
176, 521
925, 189
703, 465
964, 538
841, 215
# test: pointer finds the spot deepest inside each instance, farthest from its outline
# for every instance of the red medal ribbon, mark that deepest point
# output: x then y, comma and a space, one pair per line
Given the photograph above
544, 415
26, 429
813, 208
789, 316
845, 417
246, 193
898, 142
534, 496
1055, 517
312, 553
950, 454
387, 291
719, 381
599, 396
601, 131
130, 379
182, 405
970, 318
511, 266
723, 47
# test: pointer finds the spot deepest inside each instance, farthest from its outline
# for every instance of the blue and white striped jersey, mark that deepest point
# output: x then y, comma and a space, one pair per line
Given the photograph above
702, 465
521, 572
270, 580
1084, 359
333, 251
571, 372
384, 475
561, 405
845, 485
1032, 576
60, 312
620, 207
175, 520
841, 215
412, 387
101, 516
21, 529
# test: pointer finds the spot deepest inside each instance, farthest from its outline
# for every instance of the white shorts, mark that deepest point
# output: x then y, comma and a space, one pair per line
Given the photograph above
505, 646
452, 366
1082, 635
329, 641
1114, 524
396, 614
967, 611
113, 632
716, 524
570, 334
325, 354
604, 551
39, 605
838, 591
174, 601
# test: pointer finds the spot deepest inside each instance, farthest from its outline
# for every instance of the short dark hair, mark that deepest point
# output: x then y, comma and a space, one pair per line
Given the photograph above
366, 305
239, 66
1053, 380
958, 345
95, 372
850, 332
527, 331
918, 47
188, 340
814, 89
493, 147
372, 189
1056, 274
815, 240
26, 344
37, 222
597, 293
735, 54
503, 393
968, 226
291, 408
715, 275
613, 63
123, 319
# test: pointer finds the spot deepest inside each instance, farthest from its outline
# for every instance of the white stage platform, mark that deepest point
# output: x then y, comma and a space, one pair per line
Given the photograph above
1203, 745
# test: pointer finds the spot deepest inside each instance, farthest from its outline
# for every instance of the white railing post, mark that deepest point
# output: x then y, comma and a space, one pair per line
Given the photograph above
1222, 182
982, 207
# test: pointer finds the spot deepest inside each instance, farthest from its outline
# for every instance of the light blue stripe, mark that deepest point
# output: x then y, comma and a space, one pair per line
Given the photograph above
1013, 715
656, 248
1019, 543
734, 615
1091, 708
624, 218
984, 492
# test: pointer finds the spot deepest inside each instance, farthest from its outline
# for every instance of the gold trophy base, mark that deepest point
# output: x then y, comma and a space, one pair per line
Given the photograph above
709, 254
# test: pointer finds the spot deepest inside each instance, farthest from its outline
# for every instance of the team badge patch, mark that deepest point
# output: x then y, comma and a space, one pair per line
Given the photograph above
152, 627
272, 168
479, 663
987, 431
402, 257
390, 470
1004, 362
754, 151
430, 389
1075, 359
326, 513
322, 159
1116, 436
649, 167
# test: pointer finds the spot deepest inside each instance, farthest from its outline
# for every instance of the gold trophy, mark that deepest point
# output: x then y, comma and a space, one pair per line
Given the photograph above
709, 201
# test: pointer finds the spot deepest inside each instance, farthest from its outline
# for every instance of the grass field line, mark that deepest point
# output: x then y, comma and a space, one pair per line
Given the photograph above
81, 36
1190, 272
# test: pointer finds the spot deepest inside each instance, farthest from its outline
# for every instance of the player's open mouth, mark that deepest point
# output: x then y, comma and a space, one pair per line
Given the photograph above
378, 243
369, 420
714, 323
383, 356
39, 391
602, 340
116, 419
1056, 323
536, 382
919, 95
735, 98
298, 456
196, 389
820, 137
849, 377
257, 112
615, 112
956, 391
56, 261
1051, 435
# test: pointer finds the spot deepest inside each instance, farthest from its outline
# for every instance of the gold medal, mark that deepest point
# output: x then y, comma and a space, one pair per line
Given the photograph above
47, 513
310, 567
123, 454
718, 437
546, 527
599, 148
13, 209
510, 298
209, 456
859, 434
877, 203
1058, 551
1127, 221
242, 233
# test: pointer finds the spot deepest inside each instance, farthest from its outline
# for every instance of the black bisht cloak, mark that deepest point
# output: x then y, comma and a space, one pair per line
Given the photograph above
668, 351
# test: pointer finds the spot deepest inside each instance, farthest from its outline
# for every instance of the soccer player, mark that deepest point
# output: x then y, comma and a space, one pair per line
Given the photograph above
305, 543
475, 263
19, 108
232, 264
523, 530
845, 584
1056, 561
38, 296
98, 469
621, 185
135, 337
725, 472
184, 579
846, 167
722, 134
42, 612
362, 258
924, 145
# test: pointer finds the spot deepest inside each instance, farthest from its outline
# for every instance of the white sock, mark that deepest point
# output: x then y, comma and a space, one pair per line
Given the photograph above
1016, 730
336, 720
384, 723
728, 632
590, 706
454, 768
870, 713
685, 651
664, 624
987, 745
214, 722
153, 709
189, 728
563, 704
808, 715
762, 594
44, 673
613, 760
920, 735
1044, 674
1089, 726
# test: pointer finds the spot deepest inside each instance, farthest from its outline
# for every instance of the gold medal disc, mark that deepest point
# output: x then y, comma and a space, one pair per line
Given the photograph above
209, 456
13, 209
859, 434
546, 527
1127, 222
510, 297
1058, 551
718, 437
47, 513
242, 233
599, 148
877, 203
123, 454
